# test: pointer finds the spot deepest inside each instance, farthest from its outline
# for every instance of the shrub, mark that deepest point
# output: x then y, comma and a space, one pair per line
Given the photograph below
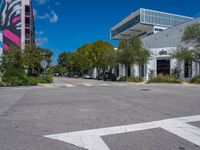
47, 79
36, 80
135, 79
14, 77
123, 78
131, 79
2, 84
151, 74
164, 79
32, 81
195, 80
17, 77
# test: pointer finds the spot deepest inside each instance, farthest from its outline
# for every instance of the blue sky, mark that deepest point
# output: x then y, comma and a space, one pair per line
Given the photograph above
65, 25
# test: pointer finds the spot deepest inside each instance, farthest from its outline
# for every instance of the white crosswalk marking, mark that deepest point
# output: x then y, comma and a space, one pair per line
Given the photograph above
105, 84
69, 85
91, 139
184, 130
87, 84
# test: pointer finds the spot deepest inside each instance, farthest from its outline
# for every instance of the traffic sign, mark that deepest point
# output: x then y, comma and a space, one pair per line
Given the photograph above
44, 64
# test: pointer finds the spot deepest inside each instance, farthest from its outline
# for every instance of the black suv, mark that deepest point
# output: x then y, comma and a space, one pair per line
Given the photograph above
107, 76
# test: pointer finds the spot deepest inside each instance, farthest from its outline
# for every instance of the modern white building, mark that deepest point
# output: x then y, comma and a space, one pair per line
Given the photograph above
161, 33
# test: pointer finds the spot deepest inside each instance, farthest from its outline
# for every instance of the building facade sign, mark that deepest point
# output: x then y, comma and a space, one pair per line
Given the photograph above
10, 22
163, 52
1, 42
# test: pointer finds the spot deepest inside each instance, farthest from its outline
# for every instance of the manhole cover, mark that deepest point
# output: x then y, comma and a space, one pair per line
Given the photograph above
146, 90
62, 87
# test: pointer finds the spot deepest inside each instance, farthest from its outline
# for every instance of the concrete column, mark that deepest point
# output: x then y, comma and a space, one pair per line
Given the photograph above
94, 73
135, 70
122, 70
149, 67
195, 69
182, 70
173, 64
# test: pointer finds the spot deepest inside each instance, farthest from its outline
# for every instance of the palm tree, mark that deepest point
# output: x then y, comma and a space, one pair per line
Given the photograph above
190, 36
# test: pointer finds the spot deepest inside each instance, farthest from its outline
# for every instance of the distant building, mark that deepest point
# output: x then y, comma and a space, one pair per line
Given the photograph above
161, 33
16, 24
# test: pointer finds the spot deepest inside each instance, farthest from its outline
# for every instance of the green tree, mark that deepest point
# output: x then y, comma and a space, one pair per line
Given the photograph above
101, 54
110, 59
70, 60
46, 54
13, 67
57, 69
85, 57
131, 51
185, 54
12, 58
62, 59
32, 59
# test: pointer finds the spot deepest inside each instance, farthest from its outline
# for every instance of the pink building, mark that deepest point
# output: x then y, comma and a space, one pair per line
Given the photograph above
16, 24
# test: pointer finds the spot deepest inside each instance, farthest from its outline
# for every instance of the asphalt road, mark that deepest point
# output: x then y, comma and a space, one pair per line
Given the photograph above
76, 114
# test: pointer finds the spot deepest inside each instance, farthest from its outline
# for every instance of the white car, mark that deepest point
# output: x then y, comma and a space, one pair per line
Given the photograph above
87, 76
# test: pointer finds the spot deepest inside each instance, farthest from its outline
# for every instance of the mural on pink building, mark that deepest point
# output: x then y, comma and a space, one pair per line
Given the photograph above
10, 22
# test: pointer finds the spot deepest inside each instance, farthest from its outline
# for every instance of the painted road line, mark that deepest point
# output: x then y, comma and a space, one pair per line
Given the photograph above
63, 85
184, 130
69, 85
87, 84
91, 139
105, 84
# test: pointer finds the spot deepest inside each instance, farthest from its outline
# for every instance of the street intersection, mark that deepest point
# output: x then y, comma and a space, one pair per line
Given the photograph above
77, 114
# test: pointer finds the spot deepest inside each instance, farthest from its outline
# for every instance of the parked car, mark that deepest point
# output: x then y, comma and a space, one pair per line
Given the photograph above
86, 76
58, 74
76, 76
107, 76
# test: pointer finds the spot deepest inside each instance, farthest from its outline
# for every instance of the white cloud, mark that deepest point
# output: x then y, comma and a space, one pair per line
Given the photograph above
41, 41
52, 17
34, 13
39, 32
41, 2
58, 3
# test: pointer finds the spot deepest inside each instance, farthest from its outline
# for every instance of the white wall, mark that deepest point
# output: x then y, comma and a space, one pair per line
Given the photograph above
1, 46
24, 2
1, 42
168, 38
